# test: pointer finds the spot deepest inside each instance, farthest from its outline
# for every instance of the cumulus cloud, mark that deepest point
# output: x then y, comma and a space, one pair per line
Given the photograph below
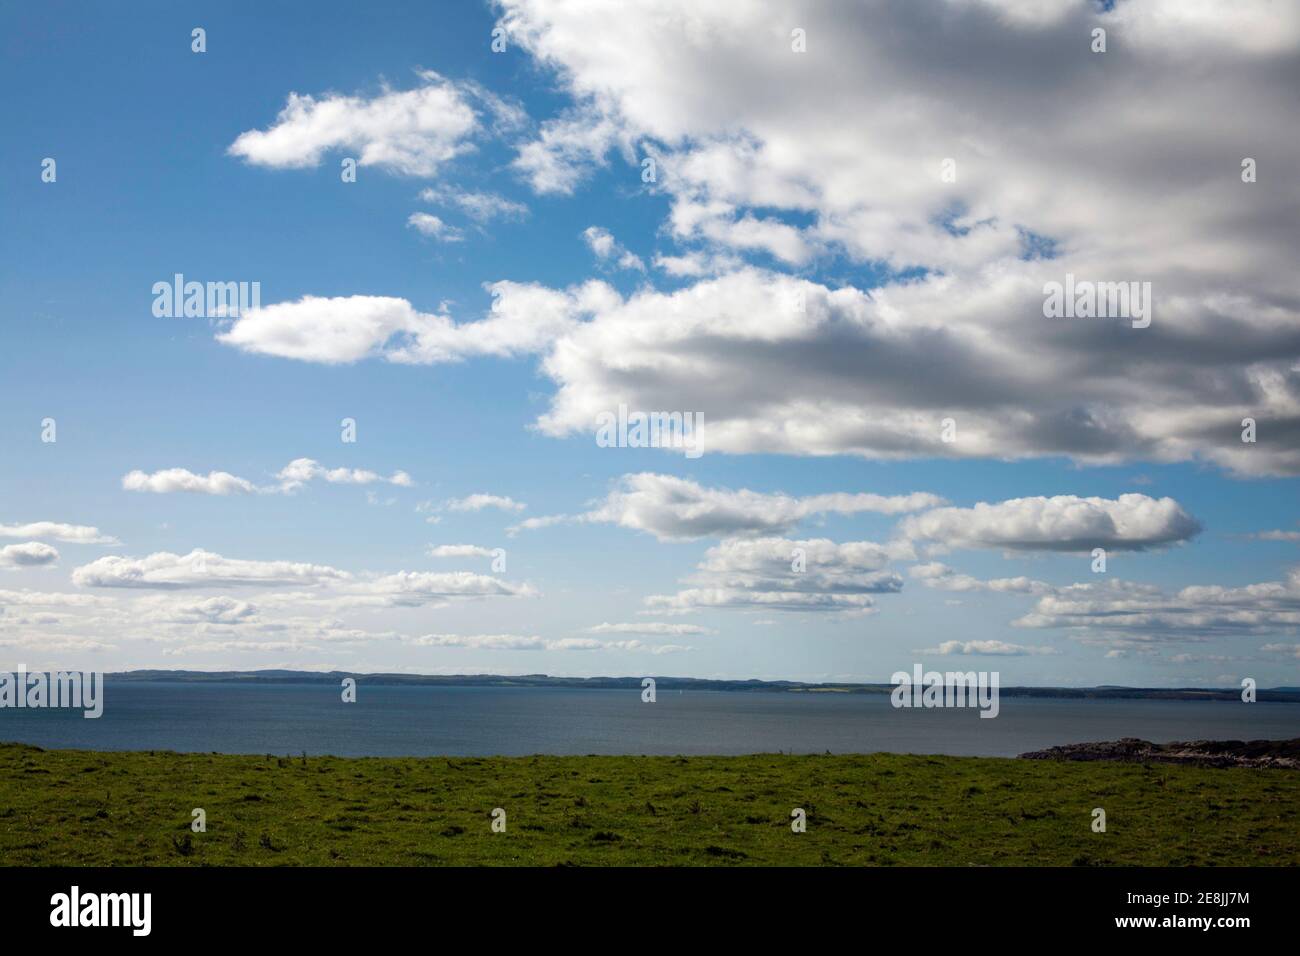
211, 610
164, 570
784, 365
588, 644
565, 149
479, 206
743, 124
479, 501
656, 628
1131, 522
239, 647
459, 551
427, 224
514, 642
872, 374
937, 575
412, 132
168, 600
544, 521
331, 331
842, 150
170, 480
608, 249
70, 533
427, 589
988, 649
300, 471
47, 643
694, 264
27, 598
491, 642
780, 364
1123, 613
786, 575
33, 554
292, 477
525, 319
678, 509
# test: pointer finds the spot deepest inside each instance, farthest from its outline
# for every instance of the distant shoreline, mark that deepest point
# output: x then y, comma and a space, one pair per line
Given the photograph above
1263, 695
1263, 754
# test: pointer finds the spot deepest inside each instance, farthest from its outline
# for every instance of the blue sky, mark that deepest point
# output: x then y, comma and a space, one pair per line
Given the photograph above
909, 321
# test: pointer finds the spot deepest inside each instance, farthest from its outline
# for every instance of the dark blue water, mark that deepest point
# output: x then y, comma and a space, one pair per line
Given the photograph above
481, 721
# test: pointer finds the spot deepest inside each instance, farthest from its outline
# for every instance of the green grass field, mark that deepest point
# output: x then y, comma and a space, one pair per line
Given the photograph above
63, 807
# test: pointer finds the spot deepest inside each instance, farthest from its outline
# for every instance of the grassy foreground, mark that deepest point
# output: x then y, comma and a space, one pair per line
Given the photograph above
67, 807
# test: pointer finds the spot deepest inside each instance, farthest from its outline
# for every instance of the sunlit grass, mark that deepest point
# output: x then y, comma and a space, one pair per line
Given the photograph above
61, 807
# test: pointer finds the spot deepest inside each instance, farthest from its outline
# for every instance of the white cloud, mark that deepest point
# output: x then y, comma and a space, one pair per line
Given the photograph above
171, 480
839, 151
876, 374
846, 160
703, 599
300, 471
786, 575
1254, 27
187, 610
459, 551
1289, 650
694, 264
413, 132
292, 477
940, 576
1131, 522
608, 249
525, 319
565, 150
70, 533
168, 600
750, 234
855, 373
241, 647
44, 599
514, 642
848, 132
479, 501
164, 570
45, 643
1125, 614
678, 509
331, 331
491, 642
427, 589
481, 207
430, 225
545, 521
988, 649
649, 628
587, 644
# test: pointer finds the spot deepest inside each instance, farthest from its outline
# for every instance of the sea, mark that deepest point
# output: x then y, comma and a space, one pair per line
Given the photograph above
413, 720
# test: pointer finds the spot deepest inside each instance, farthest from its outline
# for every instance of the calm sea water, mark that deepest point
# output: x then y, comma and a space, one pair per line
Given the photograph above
481, 721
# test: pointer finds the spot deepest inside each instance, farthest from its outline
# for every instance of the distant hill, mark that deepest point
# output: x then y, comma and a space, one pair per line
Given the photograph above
1287, 694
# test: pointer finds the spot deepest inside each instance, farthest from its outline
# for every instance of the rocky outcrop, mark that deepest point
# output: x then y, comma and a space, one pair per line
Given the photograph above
1279, 754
